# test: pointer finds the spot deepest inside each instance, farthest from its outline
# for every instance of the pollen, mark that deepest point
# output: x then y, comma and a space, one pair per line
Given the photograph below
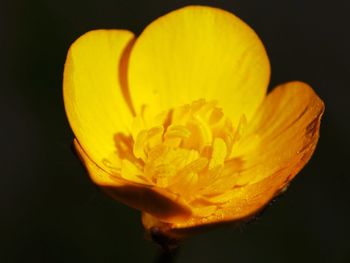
186, 151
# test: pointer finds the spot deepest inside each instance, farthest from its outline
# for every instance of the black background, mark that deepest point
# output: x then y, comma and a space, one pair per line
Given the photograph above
51, 212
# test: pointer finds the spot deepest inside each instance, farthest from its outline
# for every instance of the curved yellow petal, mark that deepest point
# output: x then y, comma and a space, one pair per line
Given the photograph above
95, 92
286, 128
245, 202
198, 52
157, 202
288, 125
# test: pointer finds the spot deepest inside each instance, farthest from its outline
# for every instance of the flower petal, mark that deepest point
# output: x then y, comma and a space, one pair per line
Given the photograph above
157, 202
198, 52
95, 94
288, 125
285, 129
245, 202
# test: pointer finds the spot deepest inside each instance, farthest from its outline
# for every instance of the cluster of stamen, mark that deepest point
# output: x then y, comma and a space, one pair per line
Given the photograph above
186, 153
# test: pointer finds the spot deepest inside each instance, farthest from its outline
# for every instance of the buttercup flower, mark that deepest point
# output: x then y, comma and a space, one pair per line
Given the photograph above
177, 123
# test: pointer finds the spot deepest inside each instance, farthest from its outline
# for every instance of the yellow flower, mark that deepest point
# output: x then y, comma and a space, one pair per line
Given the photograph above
177, 123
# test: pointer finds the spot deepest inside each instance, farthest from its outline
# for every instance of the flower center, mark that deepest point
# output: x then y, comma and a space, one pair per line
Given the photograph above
187, 151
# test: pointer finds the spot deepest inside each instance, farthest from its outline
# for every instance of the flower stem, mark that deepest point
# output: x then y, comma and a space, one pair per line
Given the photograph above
167, 256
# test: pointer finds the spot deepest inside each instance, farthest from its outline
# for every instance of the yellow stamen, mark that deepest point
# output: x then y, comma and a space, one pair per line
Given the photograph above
186, 151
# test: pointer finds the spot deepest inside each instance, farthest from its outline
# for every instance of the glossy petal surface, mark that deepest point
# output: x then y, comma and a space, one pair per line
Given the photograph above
198, 52
94, 96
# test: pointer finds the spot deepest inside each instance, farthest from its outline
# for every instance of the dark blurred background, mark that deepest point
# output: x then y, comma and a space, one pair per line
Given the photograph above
51, 212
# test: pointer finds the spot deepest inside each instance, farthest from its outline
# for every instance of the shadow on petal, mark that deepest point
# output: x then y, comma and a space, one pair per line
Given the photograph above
158, 202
